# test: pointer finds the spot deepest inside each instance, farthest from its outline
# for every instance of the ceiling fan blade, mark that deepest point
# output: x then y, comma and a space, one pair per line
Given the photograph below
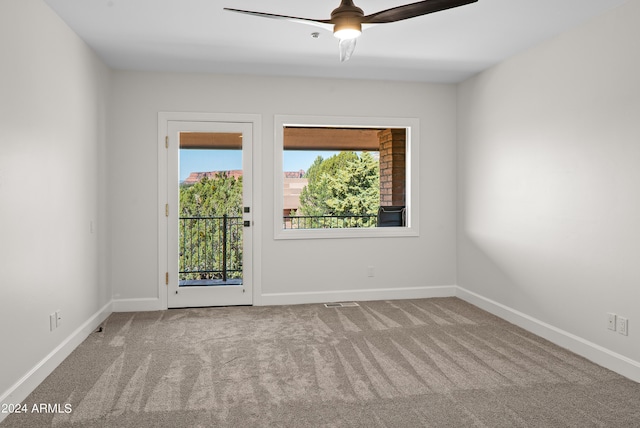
347, 46
412, 10
323, 23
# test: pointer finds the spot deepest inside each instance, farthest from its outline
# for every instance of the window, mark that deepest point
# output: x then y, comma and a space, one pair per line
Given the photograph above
339, 177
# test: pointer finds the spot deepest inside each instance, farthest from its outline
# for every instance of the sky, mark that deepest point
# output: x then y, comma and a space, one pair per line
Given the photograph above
224, 160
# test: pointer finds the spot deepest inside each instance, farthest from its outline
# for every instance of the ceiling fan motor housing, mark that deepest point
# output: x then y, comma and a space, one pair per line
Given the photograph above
347, 16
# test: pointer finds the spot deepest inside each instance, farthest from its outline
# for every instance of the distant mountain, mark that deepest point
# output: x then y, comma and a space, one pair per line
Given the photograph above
294, 174
195, 177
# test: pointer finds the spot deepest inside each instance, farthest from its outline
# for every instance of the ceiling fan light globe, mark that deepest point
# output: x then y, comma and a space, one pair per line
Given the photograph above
347, 33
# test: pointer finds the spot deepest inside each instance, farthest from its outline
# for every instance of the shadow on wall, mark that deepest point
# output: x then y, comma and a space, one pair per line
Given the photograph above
482, 273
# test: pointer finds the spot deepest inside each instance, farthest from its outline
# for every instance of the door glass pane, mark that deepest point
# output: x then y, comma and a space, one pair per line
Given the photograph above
210, 212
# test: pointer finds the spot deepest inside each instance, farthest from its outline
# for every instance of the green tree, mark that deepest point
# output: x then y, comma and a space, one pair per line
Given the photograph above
313, 198
342, 185
212, 197
211, 210
355, 189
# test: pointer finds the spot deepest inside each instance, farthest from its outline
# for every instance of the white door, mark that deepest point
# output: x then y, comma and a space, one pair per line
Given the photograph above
209, 213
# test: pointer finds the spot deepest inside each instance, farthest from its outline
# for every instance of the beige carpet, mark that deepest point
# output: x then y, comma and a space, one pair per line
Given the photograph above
406, 363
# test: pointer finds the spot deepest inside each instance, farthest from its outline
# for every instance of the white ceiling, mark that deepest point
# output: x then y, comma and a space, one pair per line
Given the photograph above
199, 36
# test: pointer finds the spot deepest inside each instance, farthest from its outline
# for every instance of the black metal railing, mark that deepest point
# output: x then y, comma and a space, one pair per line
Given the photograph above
210, 248
328, 221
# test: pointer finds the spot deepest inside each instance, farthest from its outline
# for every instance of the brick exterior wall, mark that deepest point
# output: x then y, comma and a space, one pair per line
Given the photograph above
392, 167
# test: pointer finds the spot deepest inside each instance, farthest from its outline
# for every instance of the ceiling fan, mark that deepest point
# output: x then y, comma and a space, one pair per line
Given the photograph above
347, 20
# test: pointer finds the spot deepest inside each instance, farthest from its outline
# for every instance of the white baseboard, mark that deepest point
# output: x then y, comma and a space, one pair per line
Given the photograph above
137, 305
268, 299
23, 387
589, 350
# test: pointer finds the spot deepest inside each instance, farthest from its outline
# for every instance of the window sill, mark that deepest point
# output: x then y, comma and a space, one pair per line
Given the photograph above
373, 232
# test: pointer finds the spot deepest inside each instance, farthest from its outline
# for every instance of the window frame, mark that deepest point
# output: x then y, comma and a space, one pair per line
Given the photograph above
412, 126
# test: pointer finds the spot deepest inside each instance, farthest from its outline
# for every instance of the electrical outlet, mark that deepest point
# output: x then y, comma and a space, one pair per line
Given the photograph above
370, 271
611, 321
623, 326
52, 322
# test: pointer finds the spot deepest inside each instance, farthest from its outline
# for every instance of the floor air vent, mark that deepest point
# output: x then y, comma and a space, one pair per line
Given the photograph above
341, 305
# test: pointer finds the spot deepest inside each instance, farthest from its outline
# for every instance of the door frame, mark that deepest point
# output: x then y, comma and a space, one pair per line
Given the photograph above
163, 192
203, 295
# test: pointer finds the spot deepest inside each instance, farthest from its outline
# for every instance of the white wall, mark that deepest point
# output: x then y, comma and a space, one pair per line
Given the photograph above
53, 109
549, 176
288, 267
